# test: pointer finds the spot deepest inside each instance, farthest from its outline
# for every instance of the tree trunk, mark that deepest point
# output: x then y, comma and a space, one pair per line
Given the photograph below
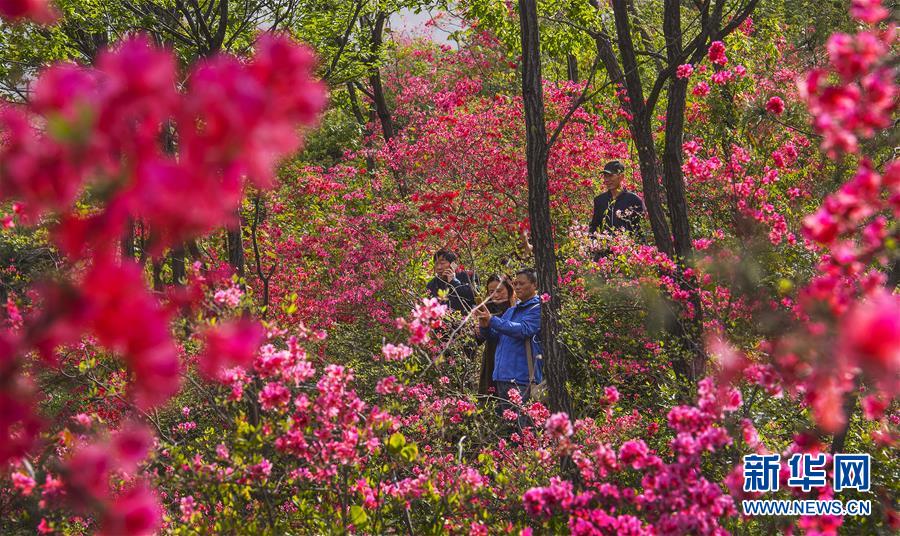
361, 119
539, 206
572, 67
236, 246
840, 438
157, 266
643, 141
128, 241
381, 107
673, 179
673, 176
176, 255
378, 99
178, 270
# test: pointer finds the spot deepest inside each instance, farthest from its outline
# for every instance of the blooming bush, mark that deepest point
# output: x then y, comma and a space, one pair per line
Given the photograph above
318, 392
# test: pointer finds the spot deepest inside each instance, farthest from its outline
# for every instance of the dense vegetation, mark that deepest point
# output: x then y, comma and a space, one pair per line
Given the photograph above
216, 241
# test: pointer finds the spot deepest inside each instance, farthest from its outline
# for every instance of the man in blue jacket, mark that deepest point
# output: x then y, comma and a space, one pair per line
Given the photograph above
519, 325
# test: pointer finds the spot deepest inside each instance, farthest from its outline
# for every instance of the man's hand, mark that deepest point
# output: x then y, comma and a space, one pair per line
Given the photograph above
448, 275
483, 316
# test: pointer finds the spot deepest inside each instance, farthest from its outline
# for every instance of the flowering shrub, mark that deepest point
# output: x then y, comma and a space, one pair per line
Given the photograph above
293, 400
96, 129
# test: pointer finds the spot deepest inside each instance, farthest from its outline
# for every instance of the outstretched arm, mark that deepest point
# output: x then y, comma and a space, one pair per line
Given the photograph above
525, 327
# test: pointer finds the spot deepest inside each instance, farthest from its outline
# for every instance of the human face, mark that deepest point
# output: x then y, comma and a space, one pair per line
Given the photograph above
441, 265
613, 182
498, 292
524, 288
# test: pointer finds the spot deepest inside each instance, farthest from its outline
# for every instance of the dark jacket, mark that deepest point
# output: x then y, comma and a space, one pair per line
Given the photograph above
485, 378
519, 325
626, 213
460, 295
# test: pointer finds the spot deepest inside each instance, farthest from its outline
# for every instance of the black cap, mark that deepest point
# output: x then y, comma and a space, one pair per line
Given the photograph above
613, 167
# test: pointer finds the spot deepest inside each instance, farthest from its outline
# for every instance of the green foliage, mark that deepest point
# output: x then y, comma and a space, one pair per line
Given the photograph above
25, 256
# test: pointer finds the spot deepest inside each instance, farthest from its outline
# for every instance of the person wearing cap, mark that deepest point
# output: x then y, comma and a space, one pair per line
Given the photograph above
616, 209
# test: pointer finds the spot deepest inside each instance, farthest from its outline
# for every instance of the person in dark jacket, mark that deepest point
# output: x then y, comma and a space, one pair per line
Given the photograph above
500, 297
519, 326
456, 284
616, 209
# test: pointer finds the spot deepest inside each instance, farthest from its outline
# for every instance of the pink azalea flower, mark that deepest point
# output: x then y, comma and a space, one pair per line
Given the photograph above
230, 344
38, 11
775, 105
23, 483
684, 71
559, 426
868, 11
717, 53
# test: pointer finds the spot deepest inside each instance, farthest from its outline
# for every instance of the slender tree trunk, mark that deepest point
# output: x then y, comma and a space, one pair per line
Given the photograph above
157, 266
690, 333
840, 438
235, 243
381, 107
539, 206
673, 176
176, 254
642, 135
128, 241
378, 99
572, 67
361, 119
354, 105
178, 268
254, 241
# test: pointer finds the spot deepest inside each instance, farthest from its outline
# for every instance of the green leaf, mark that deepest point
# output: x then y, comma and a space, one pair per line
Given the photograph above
409, 452
396, 441
358, 516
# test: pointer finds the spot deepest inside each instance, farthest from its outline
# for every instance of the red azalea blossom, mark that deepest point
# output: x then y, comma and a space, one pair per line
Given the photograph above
871, 334
869, 11
38, 11
119, 180
775, 105
233, 344
717, 53
135, 511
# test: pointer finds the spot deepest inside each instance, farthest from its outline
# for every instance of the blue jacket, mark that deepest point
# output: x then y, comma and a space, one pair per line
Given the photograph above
519, 325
